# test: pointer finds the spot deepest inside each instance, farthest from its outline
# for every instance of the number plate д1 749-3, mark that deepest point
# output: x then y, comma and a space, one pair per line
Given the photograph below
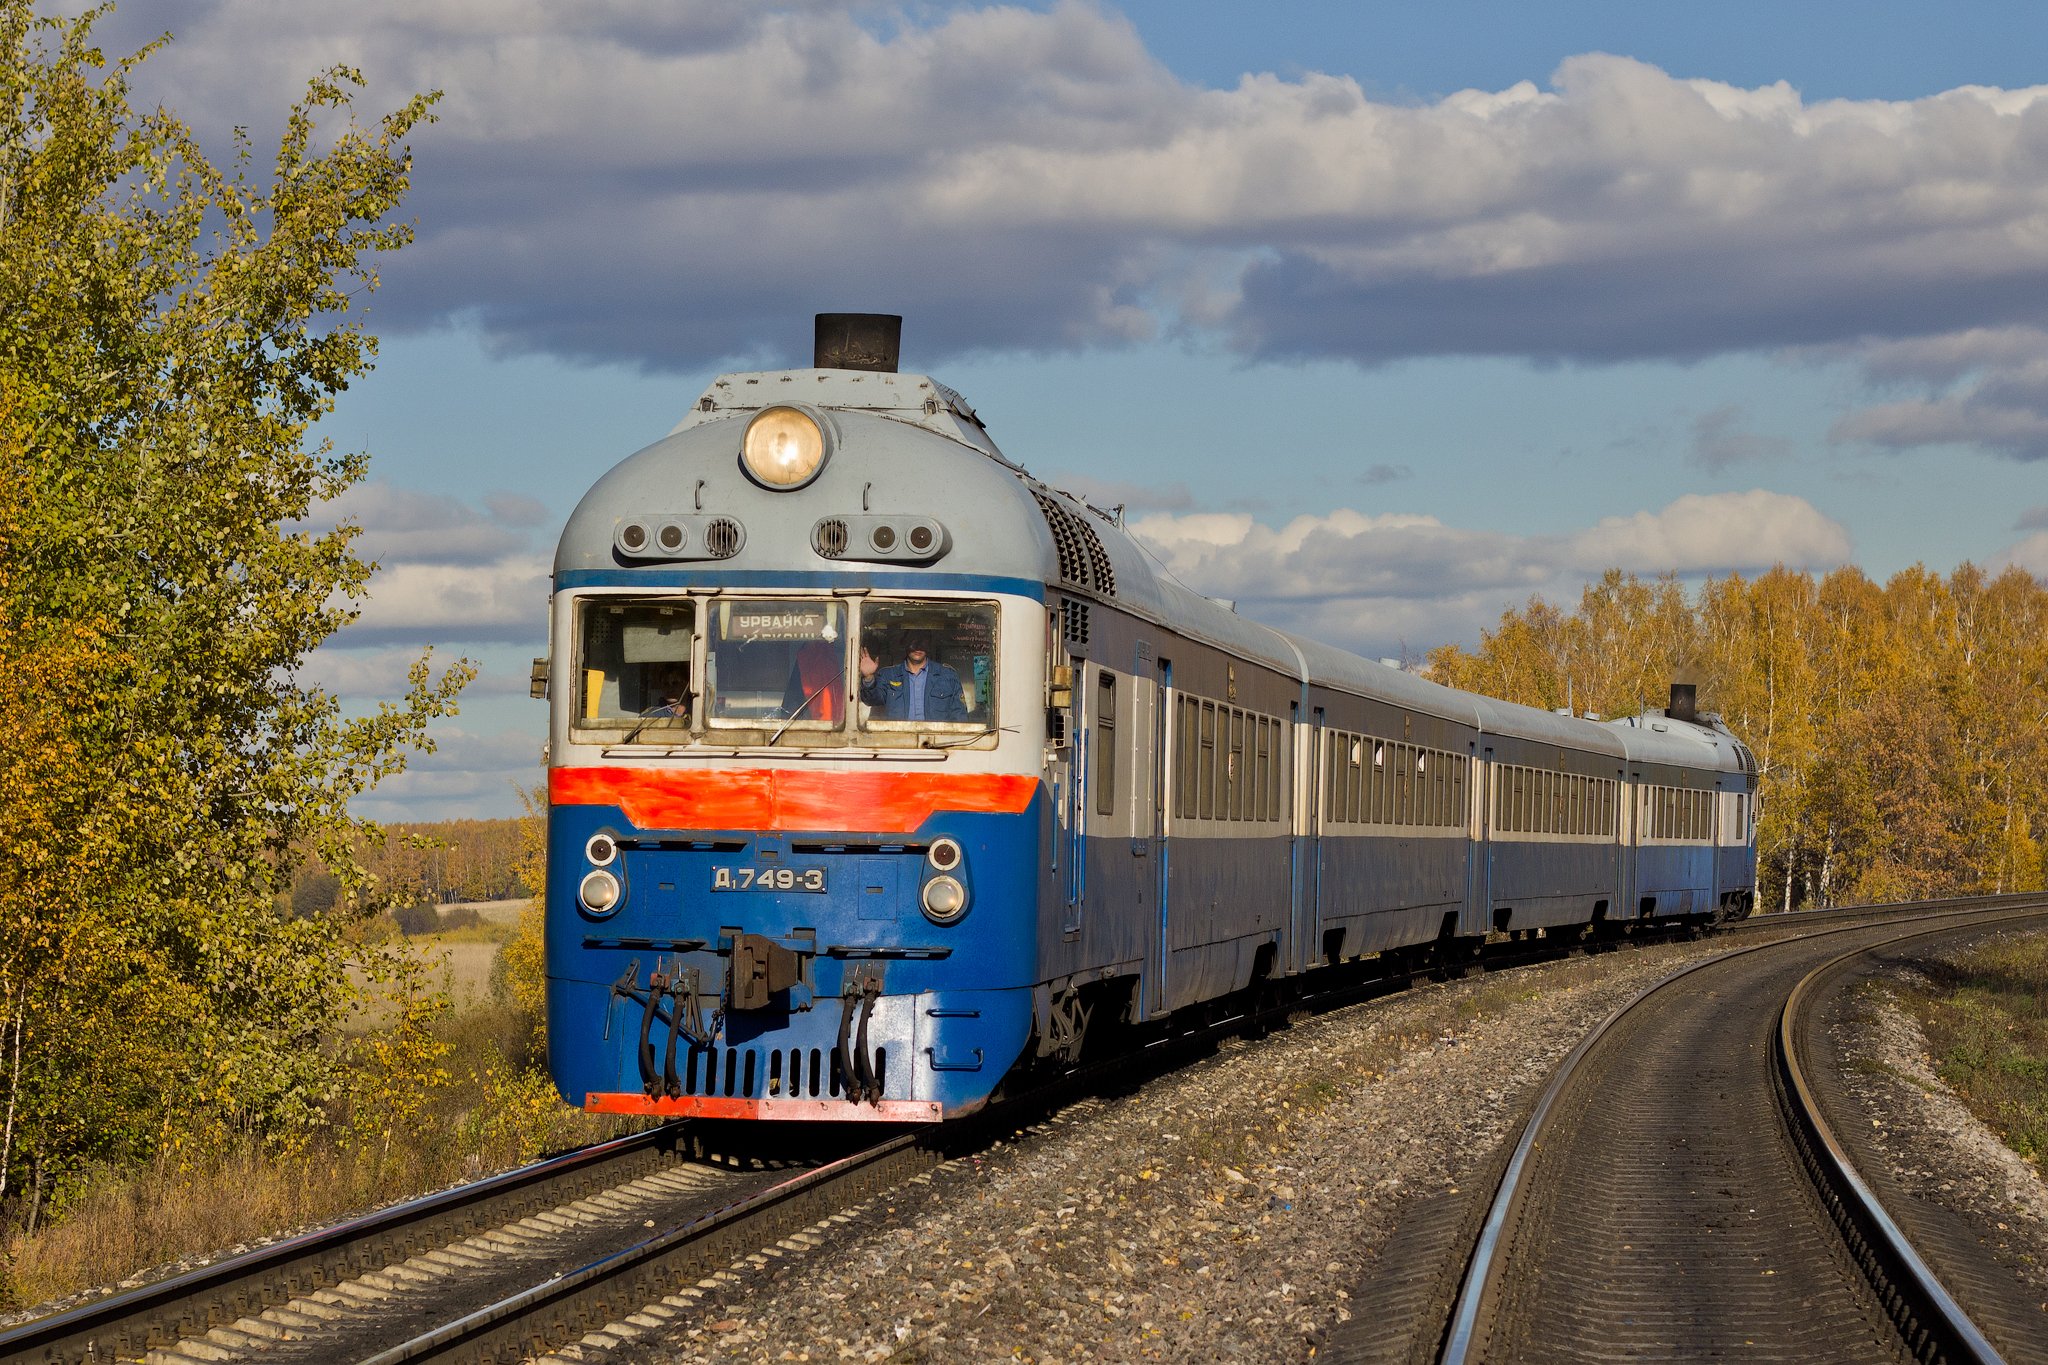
768, 879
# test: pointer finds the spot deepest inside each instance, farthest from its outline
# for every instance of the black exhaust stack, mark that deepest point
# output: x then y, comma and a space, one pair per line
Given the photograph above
1684, 703
858, 341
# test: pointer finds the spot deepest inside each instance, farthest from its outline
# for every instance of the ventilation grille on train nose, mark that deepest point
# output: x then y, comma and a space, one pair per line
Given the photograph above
828, 538
757, 1073
722, 538
1083, 561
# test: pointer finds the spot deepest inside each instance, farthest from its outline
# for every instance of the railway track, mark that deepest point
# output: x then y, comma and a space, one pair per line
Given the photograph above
608, 1240
496, 1269
1681, 1190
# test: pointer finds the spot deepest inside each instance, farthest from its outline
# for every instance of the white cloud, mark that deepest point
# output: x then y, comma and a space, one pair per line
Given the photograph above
502, 601
1411, 578
447, 574
1703, 533
470, 775
2030, 554
375, 673
666, 185
403, 525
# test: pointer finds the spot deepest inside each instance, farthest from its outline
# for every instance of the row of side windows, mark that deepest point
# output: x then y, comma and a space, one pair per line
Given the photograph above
1678, 813
1229, 764
1539, 801
1383, 782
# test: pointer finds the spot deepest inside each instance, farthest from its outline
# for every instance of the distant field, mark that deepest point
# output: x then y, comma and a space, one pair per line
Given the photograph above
466, 967
493, 912
459, 962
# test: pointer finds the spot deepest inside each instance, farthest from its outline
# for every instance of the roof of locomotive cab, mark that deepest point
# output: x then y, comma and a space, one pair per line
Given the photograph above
901, 444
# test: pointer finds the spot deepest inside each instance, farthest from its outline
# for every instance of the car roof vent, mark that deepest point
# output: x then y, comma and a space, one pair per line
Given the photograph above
1083, 560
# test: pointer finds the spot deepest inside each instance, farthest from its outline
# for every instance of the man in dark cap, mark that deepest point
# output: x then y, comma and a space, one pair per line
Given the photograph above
919, 688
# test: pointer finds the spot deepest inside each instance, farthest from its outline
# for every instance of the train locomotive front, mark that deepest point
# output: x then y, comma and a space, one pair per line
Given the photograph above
797, 682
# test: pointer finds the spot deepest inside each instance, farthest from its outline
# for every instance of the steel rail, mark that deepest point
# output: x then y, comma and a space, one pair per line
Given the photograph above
1933, 1324
551, 1313
1480, 1282
128, 1323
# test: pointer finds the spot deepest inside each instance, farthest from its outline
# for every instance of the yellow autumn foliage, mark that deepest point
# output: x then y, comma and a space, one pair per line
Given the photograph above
1900, 729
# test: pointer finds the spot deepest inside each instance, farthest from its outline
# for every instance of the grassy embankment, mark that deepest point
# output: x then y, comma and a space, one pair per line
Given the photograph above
453, 1089
1985, 1014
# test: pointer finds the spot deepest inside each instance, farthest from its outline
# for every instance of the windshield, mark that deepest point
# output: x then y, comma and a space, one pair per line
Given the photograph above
788, 671
927, 665
635, 665
773, 660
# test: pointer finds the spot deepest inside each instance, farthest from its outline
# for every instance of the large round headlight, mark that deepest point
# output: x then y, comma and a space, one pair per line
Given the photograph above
944, 899
599, 893
784, 448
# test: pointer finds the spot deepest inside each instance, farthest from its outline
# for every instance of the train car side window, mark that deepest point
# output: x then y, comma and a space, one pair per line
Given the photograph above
634, 670
1105, 743
1207, 764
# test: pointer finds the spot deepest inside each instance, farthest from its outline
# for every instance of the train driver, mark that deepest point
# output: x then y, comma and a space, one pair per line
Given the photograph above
919, 688
672, 689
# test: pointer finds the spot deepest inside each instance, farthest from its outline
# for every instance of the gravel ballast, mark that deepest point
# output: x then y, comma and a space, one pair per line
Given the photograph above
1937, 1149
1228, 1211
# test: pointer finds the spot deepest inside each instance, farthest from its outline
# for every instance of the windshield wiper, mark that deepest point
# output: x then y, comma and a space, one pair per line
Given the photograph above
804, 706
646, 721
954, 742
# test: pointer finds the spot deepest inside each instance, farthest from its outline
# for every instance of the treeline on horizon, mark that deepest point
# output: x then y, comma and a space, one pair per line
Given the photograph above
431, 862
1900, 729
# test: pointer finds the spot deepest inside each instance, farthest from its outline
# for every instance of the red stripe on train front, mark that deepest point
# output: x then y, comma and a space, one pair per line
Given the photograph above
788, 799
797, 1111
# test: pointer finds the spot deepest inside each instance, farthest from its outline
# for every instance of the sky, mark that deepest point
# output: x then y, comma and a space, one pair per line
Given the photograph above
1379, 317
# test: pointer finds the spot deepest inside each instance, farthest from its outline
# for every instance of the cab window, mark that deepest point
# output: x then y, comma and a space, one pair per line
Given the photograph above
927, 664
635, 665
776, 661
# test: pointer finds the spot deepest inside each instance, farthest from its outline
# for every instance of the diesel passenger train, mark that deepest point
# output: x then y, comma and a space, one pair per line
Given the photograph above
880, 770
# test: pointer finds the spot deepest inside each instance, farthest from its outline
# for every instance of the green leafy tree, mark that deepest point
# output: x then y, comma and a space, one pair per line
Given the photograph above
171, 328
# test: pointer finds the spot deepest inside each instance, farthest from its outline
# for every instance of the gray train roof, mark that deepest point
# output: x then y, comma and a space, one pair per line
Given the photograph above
905, 443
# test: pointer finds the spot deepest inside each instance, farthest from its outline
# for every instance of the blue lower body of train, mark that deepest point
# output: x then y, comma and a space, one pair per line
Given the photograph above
789, 974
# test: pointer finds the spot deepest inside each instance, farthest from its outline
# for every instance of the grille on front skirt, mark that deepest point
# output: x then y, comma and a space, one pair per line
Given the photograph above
753, 1073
